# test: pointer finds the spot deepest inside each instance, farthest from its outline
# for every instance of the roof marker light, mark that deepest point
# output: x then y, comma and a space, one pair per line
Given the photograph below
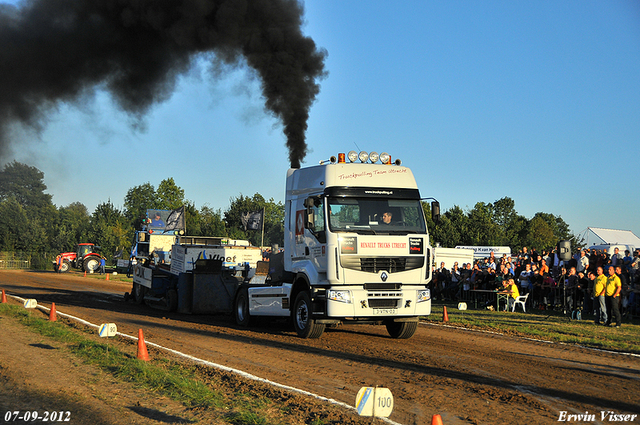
353, 156
363, 156
341, 158
373, 157
385, 158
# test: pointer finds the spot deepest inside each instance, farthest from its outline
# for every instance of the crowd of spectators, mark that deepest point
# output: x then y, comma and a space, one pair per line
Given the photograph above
268, 252
550, 282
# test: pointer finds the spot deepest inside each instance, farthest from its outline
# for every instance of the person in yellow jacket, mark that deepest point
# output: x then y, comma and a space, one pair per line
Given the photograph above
511, 288
614, 286
599, 291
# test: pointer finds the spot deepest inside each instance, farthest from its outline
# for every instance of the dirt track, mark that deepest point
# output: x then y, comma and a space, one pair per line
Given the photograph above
465, 376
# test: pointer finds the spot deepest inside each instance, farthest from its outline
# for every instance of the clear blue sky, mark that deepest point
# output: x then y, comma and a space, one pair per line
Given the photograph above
537, 101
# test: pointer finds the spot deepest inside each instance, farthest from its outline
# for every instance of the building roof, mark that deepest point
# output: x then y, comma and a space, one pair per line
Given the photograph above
598, 236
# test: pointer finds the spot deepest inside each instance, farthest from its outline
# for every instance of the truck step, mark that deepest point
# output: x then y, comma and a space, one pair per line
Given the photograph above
155, 302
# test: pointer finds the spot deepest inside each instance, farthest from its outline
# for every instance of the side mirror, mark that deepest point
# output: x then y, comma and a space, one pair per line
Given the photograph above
435, 211
308, 203
312, 201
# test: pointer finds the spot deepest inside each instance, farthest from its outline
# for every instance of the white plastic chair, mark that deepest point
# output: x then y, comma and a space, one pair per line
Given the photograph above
520, 300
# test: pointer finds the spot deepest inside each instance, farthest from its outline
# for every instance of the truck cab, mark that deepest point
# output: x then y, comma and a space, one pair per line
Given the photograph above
356, 249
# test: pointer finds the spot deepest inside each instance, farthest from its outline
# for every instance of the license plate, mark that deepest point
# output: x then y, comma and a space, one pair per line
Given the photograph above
385, 311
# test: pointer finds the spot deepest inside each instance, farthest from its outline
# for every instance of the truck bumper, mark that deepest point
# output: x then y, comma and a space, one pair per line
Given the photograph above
377, 305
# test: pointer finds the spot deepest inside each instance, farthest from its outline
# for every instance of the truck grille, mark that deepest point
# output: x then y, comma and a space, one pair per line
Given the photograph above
383, 303
376, 264
382, 286
384, 295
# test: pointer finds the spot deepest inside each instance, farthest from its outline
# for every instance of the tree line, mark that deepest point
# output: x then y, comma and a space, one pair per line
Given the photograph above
34, 228
30, 224
499, 224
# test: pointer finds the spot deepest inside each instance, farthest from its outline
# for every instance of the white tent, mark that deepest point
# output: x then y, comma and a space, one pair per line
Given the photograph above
597, 236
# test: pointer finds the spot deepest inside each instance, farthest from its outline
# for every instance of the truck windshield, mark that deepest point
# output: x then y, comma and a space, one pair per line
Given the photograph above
375, 215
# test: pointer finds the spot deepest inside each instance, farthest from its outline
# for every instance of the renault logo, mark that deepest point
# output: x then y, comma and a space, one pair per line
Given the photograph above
384, 276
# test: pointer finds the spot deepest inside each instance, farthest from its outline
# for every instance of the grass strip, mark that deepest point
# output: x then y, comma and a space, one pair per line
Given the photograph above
160, 376
545, 325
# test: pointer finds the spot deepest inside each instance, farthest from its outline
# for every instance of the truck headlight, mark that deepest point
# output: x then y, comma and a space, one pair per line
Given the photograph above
424, 295
340, 296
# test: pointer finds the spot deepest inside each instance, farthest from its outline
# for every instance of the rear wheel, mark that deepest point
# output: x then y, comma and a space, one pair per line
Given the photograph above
138, 293
304, 325
91, 264
64, 267
172, 300
243, 317
401, 330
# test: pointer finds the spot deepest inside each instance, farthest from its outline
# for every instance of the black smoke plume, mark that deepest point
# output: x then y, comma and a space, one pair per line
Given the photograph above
55, 51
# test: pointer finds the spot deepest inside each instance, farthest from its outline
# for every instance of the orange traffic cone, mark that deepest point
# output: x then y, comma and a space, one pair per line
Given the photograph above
445, 316
52, 313
142, 347
85, 273
4, 297
107, 276
436, 420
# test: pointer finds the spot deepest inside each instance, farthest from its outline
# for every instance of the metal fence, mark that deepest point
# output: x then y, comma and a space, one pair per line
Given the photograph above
15, 260
15, 264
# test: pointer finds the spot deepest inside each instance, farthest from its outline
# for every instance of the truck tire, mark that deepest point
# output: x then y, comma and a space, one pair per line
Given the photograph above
172, 300
91, 264
401, 330
304, 325
243, 316
138, 293
64, 267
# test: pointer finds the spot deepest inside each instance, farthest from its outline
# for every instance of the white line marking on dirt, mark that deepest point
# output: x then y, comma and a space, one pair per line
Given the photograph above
214, 365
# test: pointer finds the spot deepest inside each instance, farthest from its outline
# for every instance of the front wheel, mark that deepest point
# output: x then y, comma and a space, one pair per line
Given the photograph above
304, 325
401, 330
243, 317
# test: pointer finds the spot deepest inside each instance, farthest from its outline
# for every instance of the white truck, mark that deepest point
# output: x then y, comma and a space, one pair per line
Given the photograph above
200, 276
356, 250
450, 256
482, 252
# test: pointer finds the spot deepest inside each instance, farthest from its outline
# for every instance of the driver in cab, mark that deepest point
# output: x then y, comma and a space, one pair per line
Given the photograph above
387, 217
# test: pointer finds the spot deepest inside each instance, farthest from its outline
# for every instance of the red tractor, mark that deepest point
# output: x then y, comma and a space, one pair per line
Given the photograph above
85, 258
